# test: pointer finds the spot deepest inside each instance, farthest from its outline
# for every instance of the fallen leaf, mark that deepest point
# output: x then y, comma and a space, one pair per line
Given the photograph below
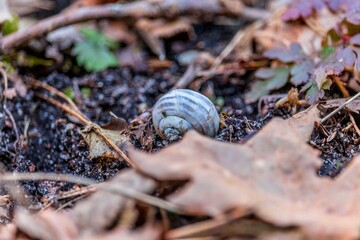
8, 232
107, 206
148, 233
292, 54
162, 28
272, 177
5, 209
153, 31
118, 31
98, 148
46, 225
310, 39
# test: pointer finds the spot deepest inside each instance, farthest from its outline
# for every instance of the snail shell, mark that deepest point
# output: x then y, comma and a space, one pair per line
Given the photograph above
180, 110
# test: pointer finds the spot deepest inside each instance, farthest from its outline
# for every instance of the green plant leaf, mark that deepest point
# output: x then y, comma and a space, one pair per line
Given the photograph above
69, 91
326, 52
10, 26
258, 89
85, 91
94, 53
278, 79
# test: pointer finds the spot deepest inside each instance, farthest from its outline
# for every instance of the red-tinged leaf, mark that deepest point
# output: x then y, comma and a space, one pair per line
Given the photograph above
300, 73
292, 54
355, 39
334, 5
302, 8
346, 55
334, 68
322, 72
265, 73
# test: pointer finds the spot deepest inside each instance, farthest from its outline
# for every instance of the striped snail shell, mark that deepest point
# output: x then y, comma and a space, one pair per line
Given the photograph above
180, 110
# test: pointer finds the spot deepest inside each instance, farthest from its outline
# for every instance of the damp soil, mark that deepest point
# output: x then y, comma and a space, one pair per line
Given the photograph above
48, 140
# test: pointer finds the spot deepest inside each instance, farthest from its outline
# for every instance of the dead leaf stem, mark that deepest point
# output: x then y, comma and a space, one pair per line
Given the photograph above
36, 83
340, 107
341, 86
240, 36
4, 75
127, 192
354, 124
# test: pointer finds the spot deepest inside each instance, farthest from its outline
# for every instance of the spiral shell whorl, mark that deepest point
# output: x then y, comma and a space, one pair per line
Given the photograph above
181, 110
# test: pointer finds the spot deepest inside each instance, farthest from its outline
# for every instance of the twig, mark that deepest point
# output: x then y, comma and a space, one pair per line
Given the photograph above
71, 202
127, 192
340, 107
64, 107
36, 83
354, 124
341, 86
200, 227
138, 9
4, 75
239, 36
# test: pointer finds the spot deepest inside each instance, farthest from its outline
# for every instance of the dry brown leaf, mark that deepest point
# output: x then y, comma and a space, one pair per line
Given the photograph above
272, 176
106, 206
152, 32
5, 209
162, 28
146, 233
278, 33
46, 225
8, 232
118, 31
115, 132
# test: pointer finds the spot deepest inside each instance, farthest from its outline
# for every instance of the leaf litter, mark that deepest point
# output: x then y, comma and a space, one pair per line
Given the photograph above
266, 187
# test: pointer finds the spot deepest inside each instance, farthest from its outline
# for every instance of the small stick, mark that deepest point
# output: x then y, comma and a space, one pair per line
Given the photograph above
239, 36
126, 192
341, 86
354, 124
53, 90
65, 108
4, 75
339, 108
